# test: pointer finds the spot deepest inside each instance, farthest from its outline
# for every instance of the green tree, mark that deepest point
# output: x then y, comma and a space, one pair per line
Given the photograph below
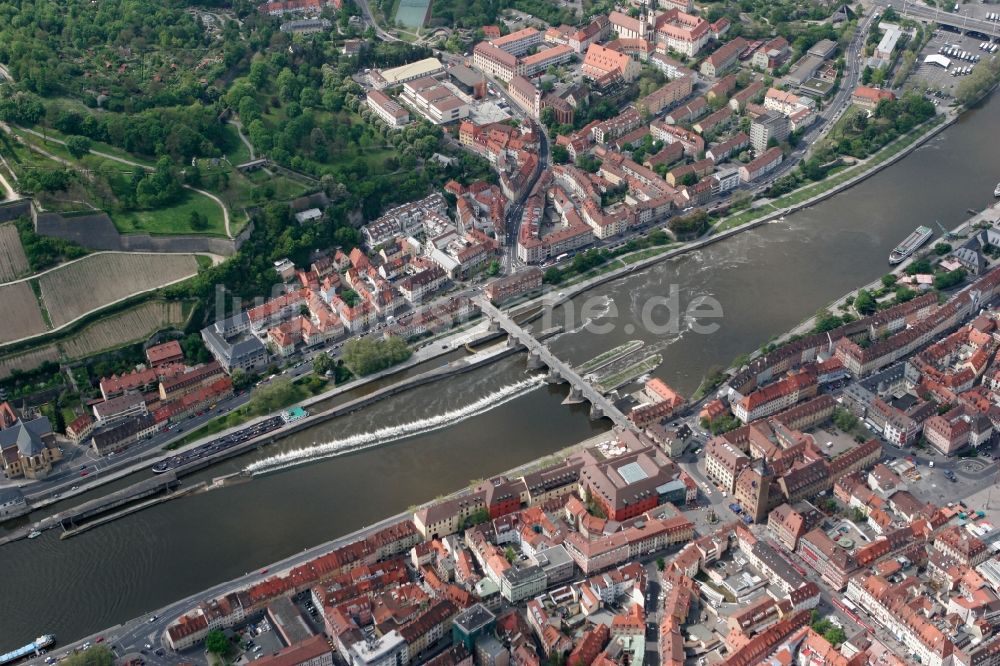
216, 642
197, 221
691, 225
552, 276
588, 163
904, 294
864, 303
476, 517
78, 146
322, 363
276, 394
826, 321
493, 269
844, 420
242, 380
660, 564
941, 249
510, 554
835, 635
364, 356
948, 280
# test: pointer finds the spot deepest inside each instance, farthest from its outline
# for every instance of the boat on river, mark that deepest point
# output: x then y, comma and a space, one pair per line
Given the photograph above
910, 244
32, 649
996, 190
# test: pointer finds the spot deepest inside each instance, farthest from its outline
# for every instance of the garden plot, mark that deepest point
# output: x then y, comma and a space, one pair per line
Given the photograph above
22, 317
28, 360
13, 263
120, 329
102, 279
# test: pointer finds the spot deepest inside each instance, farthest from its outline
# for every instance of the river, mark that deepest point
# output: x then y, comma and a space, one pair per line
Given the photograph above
765, 281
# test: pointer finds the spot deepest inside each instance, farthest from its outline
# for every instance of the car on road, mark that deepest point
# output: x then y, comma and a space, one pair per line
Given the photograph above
152, 619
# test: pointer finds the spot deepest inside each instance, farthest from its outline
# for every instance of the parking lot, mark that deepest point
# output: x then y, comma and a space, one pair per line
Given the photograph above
961, 52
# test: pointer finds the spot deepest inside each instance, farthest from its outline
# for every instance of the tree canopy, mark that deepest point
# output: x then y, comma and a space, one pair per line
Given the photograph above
363, 356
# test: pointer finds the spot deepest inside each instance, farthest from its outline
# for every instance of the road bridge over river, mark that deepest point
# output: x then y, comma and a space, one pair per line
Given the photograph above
961, 21
539, 354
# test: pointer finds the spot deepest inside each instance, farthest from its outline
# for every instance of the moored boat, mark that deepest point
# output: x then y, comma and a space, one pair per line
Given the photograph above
910, 244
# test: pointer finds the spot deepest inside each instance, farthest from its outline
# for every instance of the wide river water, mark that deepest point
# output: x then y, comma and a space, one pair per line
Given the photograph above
765, 281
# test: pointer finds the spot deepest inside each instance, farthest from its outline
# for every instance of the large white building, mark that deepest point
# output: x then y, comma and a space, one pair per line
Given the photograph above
682, 32
520, 42
387, 650
391, 113
387, 78
435, 100
495, 62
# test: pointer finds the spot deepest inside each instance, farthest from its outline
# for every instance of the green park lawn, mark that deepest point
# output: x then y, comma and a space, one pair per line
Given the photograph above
173, 219
238, 152
60, 150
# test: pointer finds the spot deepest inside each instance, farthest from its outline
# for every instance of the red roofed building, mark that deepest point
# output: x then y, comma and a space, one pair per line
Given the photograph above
713, 410
138, 380
682, 32
602, 62
890, 606
775, 397
168, 352
313, 651
766, 163
587, 649
868, 98
723, 58
693, 143
186, 631
763, 644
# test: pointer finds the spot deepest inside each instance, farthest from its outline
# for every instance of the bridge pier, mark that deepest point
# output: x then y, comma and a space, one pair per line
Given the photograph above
494, 326
575, 396
596, 413
535, 361
553, 377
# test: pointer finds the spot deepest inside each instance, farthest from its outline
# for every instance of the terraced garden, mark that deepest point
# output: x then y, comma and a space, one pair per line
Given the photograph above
22, 316
13, 262
102, 279
130, 326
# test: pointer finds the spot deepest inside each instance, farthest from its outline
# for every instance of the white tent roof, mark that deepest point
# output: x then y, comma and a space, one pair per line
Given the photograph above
938, 59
